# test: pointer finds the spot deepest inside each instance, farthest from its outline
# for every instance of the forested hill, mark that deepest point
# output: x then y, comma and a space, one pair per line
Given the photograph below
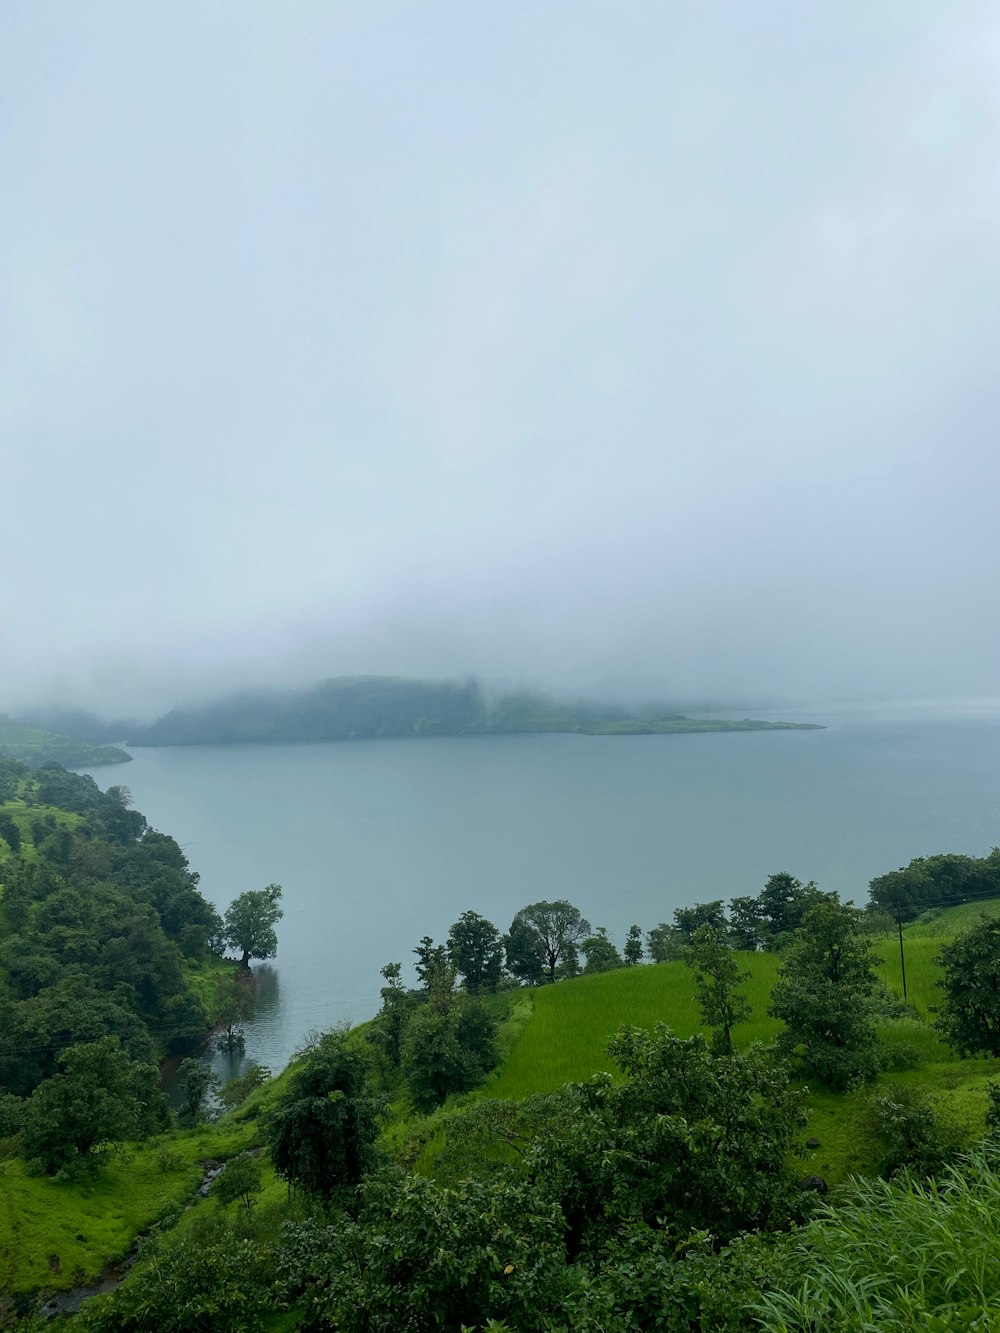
102, 928
365, 707
34, 746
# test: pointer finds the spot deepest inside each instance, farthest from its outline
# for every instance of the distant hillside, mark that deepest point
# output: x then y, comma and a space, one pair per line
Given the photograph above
78, 723
367, 707
34, 747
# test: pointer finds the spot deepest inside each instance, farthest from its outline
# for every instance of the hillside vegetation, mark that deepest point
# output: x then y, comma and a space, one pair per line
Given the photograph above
35, 747
366, 707
593, 1152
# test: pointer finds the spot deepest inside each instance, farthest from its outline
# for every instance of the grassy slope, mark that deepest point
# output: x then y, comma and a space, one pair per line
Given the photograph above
58, 1234
567, 1037
32, 746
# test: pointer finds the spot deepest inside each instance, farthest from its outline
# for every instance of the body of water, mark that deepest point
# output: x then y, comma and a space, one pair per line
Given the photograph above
380, 842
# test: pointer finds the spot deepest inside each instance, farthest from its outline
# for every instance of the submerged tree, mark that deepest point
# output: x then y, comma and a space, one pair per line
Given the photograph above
234, 1006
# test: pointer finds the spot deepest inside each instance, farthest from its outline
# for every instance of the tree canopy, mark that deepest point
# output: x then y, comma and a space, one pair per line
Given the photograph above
541, 937
250, 921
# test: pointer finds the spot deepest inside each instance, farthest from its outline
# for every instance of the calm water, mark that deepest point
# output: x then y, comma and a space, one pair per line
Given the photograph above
378, 843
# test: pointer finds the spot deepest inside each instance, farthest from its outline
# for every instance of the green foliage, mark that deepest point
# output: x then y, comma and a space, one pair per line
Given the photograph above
825, 996
689, 919
633, 951
936, 881
250, 921
233, 1007
419, 1256
665, 943
322, 1129
385, 1031
542, 936
195, 1083
600, 953
191, 1287
969, 1017
899, 1256
476, 949
717, 978
689, 1141
905, 1127
236, 1090
447, 1050
99, 1099
240, 1182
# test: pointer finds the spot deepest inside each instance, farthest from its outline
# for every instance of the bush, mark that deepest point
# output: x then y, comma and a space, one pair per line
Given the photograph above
905, 1128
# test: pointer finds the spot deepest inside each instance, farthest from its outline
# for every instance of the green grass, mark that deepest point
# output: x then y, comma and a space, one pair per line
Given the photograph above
57, 1233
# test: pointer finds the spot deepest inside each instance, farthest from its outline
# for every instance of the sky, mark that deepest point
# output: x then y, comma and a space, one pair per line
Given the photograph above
644, 348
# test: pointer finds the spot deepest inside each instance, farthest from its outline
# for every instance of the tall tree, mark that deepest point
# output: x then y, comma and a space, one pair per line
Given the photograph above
717, 978
633, 947
825, 996
689, 919
476, 949
969, 1018
322, 1131
250, 921
600, 952
542, 935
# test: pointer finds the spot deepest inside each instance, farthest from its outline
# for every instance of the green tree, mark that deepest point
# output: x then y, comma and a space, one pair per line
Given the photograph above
233, 1008
476, 949
633, 950
446, 1051
688, 1141
195, 1082
385, 1031
717, 978
689, 919
969, 1017
783, 904
600, 952
541, 936
322, 1131
99, 1099
239, 1182
825, 996
436, 972
746, 925
250, 921
665, 943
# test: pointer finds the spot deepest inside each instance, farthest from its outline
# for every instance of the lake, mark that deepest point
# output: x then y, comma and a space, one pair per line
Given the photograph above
380, 842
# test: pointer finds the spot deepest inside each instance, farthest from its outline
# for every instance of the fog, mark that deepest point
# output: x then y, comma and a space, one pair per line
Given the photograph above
646, 348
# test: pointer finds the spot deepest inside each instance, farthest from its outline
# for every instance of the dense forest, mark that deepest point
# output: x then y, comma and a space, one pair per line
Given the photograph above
759, 1130
354, 708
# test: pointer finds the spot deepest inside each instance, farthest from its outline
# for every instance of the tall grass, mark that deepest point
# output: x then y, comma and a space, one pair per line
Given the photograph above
901, 1255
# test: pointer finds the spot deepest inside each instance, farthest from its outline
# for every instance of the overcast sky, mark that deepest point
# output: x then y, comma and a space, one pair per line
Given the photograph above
634, 347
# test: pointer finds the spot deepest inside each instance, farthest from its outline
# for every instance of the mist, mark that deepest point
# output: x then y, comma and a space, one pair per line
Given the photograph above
641, 350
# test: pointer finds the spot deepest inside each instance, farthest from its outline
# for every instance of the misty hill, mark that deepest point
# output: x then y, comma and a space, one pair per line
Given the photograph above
78, 723
367, 707
34, 746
